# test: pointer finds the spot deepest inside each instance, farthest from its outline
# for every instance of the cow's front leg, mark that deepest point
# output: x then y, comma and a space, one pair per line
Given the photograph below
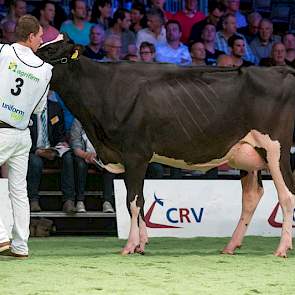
143, 235
134, 179
252, 192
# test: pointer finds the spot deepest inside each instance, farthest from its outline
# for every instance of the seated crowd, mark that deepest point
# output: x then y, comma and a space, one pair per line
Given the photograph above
224, 37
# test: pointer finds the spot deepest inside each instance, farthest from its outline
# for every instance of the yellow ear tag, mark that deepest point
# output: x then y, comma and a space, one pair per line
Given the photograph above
75, 54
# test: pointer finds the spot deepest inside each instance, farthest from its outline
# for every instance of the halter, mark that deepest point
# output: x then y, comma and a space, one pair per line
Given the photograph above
65, 60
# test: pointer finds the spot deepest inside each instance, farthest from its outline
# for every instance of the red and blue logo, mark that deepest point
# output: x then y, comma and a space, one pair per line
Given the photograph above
174, 216
272, 218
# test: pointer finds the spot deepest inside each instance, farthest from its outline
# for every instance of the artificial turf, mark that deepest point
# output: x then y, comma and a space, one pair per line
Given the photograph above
92, 265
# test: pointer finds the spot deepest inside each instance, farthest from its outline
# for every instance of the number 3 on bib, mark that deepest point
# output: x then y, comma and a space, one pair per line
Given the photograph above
19, 84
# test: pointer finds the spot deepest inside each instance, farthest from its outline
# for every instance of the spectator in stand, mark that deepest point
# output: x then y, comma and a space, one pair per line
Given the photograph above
77, 29
216, 11
160, 4
47, 14
101, 13
112, 47
94, 49
131, 57
120, 26
262, 44
198, 54
17, 8
208, 38
237, 46
3, 9
147, 52
47, 132
173, 51
230, 29
233, 7
138, 17
188, 17
289, 42
155, 33
8, 32
277, 58
85, 155
251, 30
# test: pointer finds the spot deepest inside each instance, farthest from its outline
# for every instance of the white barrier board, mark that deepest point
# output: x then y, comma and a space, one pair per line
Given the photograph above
5, 206
192, 208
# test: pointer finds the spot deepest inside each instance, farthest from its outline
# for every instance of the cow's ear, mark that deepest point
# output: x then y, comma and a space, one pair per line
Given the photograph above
76, 52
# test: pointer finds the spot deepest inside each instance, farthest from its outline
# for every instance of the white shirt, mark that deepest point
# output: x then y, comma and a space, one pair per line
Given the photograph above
146, 35
180, 55
24, 84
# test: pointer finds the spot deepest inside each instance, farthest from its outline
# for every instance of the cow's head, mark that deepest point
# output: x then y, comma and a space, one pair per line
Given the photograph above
60, 50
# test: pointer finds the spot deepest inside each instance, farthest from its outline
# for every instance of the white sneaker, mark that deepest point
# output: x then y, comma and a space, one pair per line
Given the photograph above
80, 207
107, 207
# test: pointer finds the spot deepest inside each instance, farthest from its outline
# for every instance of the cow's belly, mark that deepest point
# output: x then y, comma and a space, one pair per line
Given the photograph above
241, 156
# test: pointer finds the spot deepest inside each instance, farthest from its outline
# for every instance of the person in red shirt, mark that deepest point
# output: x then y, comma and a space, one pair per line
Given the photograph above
188, 17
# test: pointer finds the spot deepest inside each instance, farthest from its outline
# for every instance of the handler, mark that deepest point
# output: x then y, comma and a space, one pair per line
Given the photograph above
23, 90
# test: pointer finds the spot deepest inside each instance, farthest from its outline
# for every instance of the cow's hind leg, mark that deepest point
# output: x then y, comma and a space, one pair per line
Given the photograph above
134, 179
252, 192
275, 162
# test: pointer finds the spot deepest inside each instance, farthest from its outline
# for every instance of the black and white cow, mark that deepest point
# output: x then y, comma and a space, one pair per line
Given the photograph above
188, 117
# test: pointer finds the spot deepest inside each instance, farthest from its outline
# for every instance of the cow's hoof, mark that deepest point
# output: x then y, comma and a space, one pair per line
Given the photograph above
139, 250
281, 254
227, 252
129, 250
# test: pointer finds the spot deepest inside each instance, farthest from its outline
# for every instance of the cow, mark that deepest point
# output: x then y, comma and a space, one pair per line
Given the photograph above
186, 117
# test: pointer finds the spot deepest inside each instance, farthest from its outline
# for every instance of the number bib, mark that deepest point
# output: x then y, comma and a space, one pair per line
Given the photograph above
22, 84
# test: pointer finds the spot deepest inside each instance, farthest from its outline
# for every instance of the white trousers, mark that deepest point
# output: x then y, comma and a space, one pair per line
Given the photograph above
14, 150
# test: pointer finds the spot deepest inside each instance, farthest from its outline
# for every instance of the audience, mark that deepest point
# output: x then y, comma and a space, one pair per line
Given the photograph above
251, 30
277, 57
49, 144
85, 155
160, 4
188, 17
16, 9
173, 51
46, 18
120, 26
289, 42
155, 33
198, 54
112, 47
147, 52
233, 7
237, 46
208, 38
216, 11
262, 44
101, 13
94, 49
77, 29
8, 32
230, 29
138, 17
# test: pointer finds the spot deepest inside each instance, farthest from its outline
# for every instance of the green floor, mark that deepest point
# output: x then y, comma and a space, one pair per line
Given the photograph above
91, 265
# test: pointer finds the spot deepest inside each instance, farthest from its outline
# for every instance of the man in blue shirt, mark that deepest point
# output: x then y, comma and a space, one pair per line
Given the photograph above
77, 29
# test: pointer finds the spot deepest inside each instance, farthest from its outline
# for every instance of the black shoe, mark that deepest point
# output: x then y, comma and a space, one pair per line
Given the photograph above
35, 207
69, 207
